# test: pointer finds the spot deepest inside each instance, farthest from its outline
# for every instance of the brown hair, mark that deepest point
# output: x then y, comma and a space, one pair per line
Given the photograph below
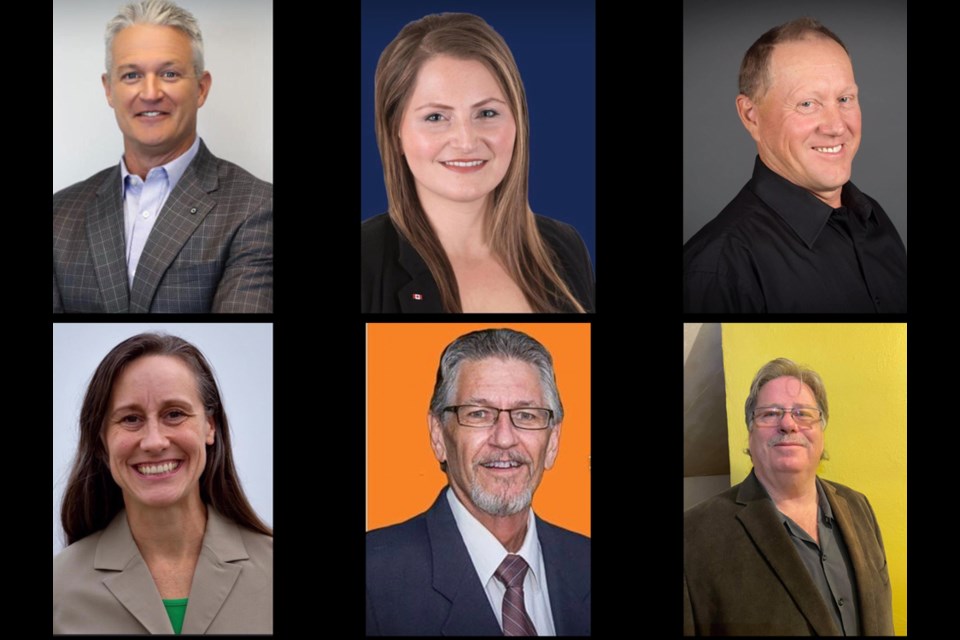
510, 226
755, 68
92, 498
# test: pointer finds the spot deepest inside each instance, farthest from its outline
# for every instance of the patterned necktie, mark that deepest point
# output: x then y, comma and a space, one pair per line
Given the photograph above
516, 622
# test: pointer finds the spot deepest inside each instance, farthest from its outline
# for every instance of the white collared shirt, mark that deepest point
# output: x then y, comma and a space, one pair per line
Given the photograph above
143, 201
487, 553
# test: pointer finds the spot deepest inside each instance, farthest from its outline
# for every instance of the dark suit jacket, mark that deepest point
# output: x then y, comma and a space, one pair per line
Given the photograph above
210, 250
743, 576
101, 584
421, 581
392, 272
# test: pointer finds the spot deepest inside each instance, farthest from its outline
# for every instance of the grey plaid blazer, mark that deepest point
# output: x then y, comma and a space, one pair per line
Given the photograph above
211, 249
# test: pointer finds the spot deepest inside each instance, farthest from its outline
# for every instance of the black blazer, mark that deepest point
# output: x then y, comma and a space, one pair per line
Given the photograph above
421, 581
395, 279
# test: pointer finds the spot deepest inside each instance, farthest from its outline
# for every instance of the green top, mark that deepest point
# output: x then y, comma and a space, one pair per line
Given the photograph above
176, 609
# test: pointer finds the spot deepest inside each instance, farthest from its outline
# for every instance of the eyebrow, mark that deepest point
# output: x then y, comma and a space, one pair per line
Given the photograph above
137, 67
437, 105
483, 402
134, 406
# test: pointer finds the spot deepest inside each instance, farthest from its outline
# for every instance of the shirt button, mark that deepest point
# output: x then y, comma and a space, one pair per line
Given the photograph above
145, 214
841, 602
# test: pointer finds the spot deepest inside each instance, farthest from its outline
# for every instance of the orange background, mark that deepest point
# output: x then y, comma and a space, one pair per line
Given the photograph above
403, 475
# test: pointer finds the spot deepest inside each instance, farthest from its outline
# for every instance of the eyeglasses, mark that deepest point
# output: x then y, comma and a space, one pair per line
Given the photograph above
771, 416
529, 418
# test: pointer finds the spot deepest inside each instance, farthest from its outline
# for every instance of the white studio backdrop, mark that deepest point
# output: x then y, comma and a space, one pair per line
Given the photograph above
236, 122
242, 359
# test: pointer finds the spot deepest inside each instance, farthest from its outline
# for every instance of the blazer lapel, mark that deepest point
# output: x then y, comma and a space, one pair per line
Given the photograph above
763, 526
455, 578
215, 574
107, 244
132, 585
421, 294
568, 593
186, 207
853, 534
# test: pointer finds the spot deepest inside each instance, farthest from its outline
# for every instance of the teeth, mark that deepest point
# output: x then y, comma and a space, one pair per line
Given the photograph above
835, 149
152, 469
506, 464
475, 163
150, 113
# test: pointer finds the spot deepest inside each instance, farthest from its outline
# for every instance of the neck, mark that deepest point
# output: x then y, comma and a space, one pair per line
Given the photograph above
141, 161
832, 198
459, 226
794, 489
173, 532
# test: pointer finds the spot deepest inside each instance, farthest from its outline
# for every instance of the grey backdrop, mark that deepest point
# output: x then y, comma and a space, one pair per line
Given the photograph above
242, 359
718, 153
236, 122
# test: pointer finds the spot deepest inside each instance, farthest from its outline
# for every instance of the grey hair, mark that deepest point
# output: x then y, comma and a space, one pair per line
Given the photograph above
161, 13
786, 367
505, 344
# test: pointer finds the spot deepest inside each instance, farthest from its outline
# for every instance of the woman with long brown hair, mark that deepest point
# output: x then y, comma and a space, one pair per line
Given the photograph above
161, 535
453, 130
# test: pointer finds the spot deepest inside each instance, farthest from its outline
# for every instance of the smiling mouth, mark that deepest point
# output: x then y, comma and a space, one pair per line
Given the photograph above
151, 114
501, 464
829, 150
158, 469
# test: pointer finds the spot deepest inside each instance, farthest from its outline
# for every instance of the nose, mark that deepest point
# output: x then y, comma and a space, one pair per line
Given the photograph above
788, 426
153, 437
503, 433
464, 135
832, 123
150, 88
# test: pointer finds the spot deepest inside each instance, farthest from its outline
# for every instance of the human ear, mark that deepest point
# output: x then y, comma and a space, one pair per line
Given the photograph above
749, 115
106, 88
553, 446
436, 438
212, 431
205, 81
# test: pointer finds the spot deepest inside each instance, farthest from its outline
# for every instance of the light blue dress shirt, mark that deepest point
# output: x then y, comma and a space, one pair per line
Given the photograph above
143, 201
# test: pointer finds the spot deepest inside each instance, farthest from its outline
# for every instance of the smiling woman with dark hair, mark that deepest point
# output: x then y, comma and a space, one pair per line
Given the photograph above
162, 537
454, 136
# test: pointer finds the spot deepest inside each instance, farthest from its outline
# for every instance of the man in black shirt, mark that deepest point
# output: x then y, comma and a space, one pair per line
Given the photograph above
799, 237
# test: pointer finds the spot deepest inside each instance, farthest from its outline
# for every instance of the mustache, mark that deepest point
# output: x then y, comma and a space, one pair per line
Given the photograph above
506, 456
787, 439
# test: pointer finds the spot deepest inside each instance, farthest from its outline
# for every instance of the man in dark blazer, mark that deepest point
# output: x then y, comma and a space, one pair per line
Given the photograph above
784, 552
171, 229
479, 562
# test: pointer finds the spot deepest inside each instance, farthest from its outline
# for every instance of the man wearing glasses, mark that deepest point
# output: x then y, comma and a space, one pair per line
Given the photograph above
784, 552
479, 562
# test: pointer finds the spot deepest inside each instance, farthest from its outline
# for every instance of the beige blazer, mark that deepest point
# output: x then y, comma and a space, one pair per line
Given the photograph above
742, 575
102, 585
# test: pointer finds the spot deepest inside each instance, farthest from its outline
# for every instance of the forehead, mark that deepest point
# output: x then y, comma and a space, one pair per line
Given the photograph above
154, 376
142, 43
809, 60
496, 379
445, 78
786, 389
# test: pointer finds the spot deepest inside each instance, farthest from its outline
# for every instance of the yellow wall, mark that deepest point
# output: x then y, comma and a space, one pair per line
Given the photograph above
864, 369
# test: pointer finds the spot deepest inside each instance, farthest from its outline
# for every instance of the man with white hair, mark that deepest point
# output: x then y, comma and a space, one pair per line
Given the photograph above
172, 228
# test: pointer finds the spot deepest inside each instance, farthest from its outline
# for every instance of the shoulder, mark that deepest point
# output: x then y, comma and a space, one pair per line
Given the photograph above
575, 265
73, 567
562, 237
720, 506
375, 232
76, 196
570, 547
731, 232
399, 543
852, 496
234, 184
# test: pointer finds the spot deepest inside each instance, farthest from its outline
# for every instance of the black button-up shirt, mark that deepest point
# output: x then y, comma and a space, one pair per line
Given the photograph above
777, 248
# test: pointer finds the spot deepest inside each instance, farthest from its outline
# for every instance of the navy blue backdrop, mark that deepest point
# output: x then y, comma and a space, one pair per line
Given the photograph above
554, 45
